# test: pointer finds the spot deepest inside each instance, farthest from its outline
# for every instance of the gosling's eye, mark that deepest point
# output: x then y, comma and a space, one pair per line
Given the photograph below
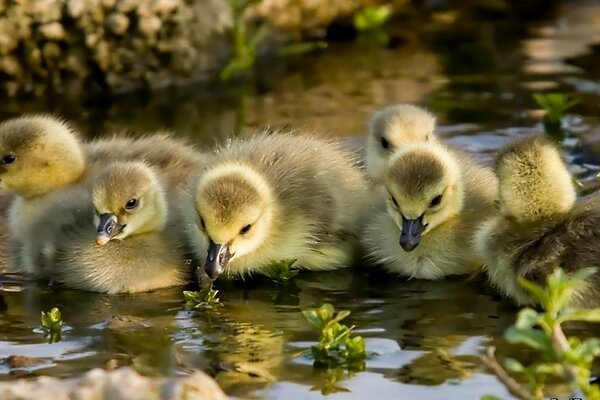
9, 159
394, 201
384, 143
131, 204
202, 223
436, 201
245, 229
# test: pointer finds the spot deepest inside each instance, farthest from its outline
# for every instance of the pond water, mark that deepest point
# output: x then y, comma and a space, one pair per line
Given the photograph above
426, 337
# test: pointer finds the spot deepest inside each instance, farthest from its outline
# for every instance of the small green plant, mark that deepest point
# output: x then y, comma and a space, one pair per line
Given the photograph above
52, 325
282, 272
555, 106
336, 347
372, 17
569, 359
244, 46
205, 298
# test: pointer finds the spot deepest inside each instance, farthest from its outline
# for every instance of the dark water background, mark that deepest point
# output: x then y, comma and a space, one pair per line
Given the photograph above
477, 76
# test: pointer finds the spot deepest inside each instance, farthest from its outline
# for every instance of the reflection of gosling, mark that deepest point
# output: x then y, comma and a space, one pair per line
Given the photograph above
393, 128
435, 198
539, 227
41, 155
130, 252
274, 197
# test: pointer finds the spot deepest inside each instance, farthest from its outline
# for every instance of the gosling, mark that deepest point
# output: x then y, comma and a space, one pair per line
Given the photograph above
274, 197
131, 250
435, 199
539, 227
41, 155
391, 129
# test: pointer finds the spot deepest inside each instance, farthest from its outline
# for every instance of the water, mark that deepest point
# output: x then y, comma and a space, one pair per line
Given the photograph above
426, 337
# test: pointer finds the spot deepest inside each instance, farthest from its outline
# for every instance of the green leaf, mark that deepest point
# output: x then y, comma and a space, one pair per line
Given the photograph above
513, 365
592, 315
548, 369
372, 17
536, 290
325, 312
527, 318
341, 315
529, 337
313, 317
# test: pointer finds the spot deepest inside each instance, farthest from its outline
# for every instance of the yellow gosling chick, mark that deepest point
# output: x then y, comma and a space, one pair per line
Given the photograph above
391, 129
274, 197
539, 226
130, 251
435, 199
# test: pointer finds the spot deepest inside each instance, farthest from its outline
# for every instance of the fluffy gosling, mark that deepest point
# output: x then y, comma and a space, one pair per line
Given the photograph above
130, 251
391, 129
273, 197
539, 226
435, 199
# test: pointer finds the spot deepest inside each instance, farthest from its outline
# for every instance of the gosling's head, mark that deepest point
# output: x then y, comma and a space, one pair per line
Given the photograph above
534, 181
129, 200
38, 154
234, 208
393, 128
424, 190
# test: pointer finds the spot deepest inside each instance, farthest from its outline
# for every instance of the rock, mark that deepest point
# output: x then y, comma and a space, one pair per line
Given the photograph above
120, 384
52, 31
117, 23
18, 362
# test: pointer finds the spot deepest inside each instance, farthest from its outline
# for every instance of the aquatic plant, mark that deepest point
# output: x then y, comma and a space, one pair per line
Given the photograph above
372, 17
52, 325
555, 106
569, 359
244, 46
336, 347
282, 272
205, 298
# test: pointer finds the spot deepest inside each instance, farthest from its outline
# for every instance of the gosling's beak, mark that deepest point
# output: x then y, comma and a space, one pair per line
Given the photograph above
411, 233
108, 227
217, 259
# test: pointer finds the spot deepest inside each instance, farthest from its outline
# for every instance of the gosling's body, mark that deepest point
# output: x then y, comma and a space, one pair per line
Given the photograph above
391, 129
300, 197
469, 191
539, 225
49, 157
139, 256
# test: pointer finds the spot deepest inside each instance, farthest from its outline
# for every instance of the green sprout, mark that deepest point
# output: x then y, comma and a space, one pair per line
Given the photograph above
569, 359
555, 106
205, 298
282, 272
52, 325
372, 17
336, 347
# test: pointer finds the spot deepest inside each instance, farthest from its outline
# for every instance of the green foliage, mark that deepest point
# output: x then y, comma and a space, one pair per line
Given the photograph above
205, 298
336, 347
569, 359
52, 325
372, 17
555, 106
282, 272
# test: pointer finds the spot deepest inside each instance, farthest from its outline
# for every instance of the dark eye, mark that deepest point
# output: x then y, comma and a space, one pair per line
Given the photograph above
202, 223
384, 143
245, 229
131, 204
9, 159
394, 201
436, 201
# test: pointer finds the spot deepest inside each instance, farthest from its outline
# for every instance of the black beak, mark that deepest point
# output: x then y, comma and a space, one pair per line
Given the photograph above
411, 233
217, 259
107, 228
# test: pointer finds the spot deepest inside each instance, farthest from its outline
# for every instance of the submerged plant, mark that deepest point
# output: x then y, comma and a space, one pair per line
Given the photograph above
52, 325
555, 106
569, 359
370, 21
205, 298
282, 272
336, 347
